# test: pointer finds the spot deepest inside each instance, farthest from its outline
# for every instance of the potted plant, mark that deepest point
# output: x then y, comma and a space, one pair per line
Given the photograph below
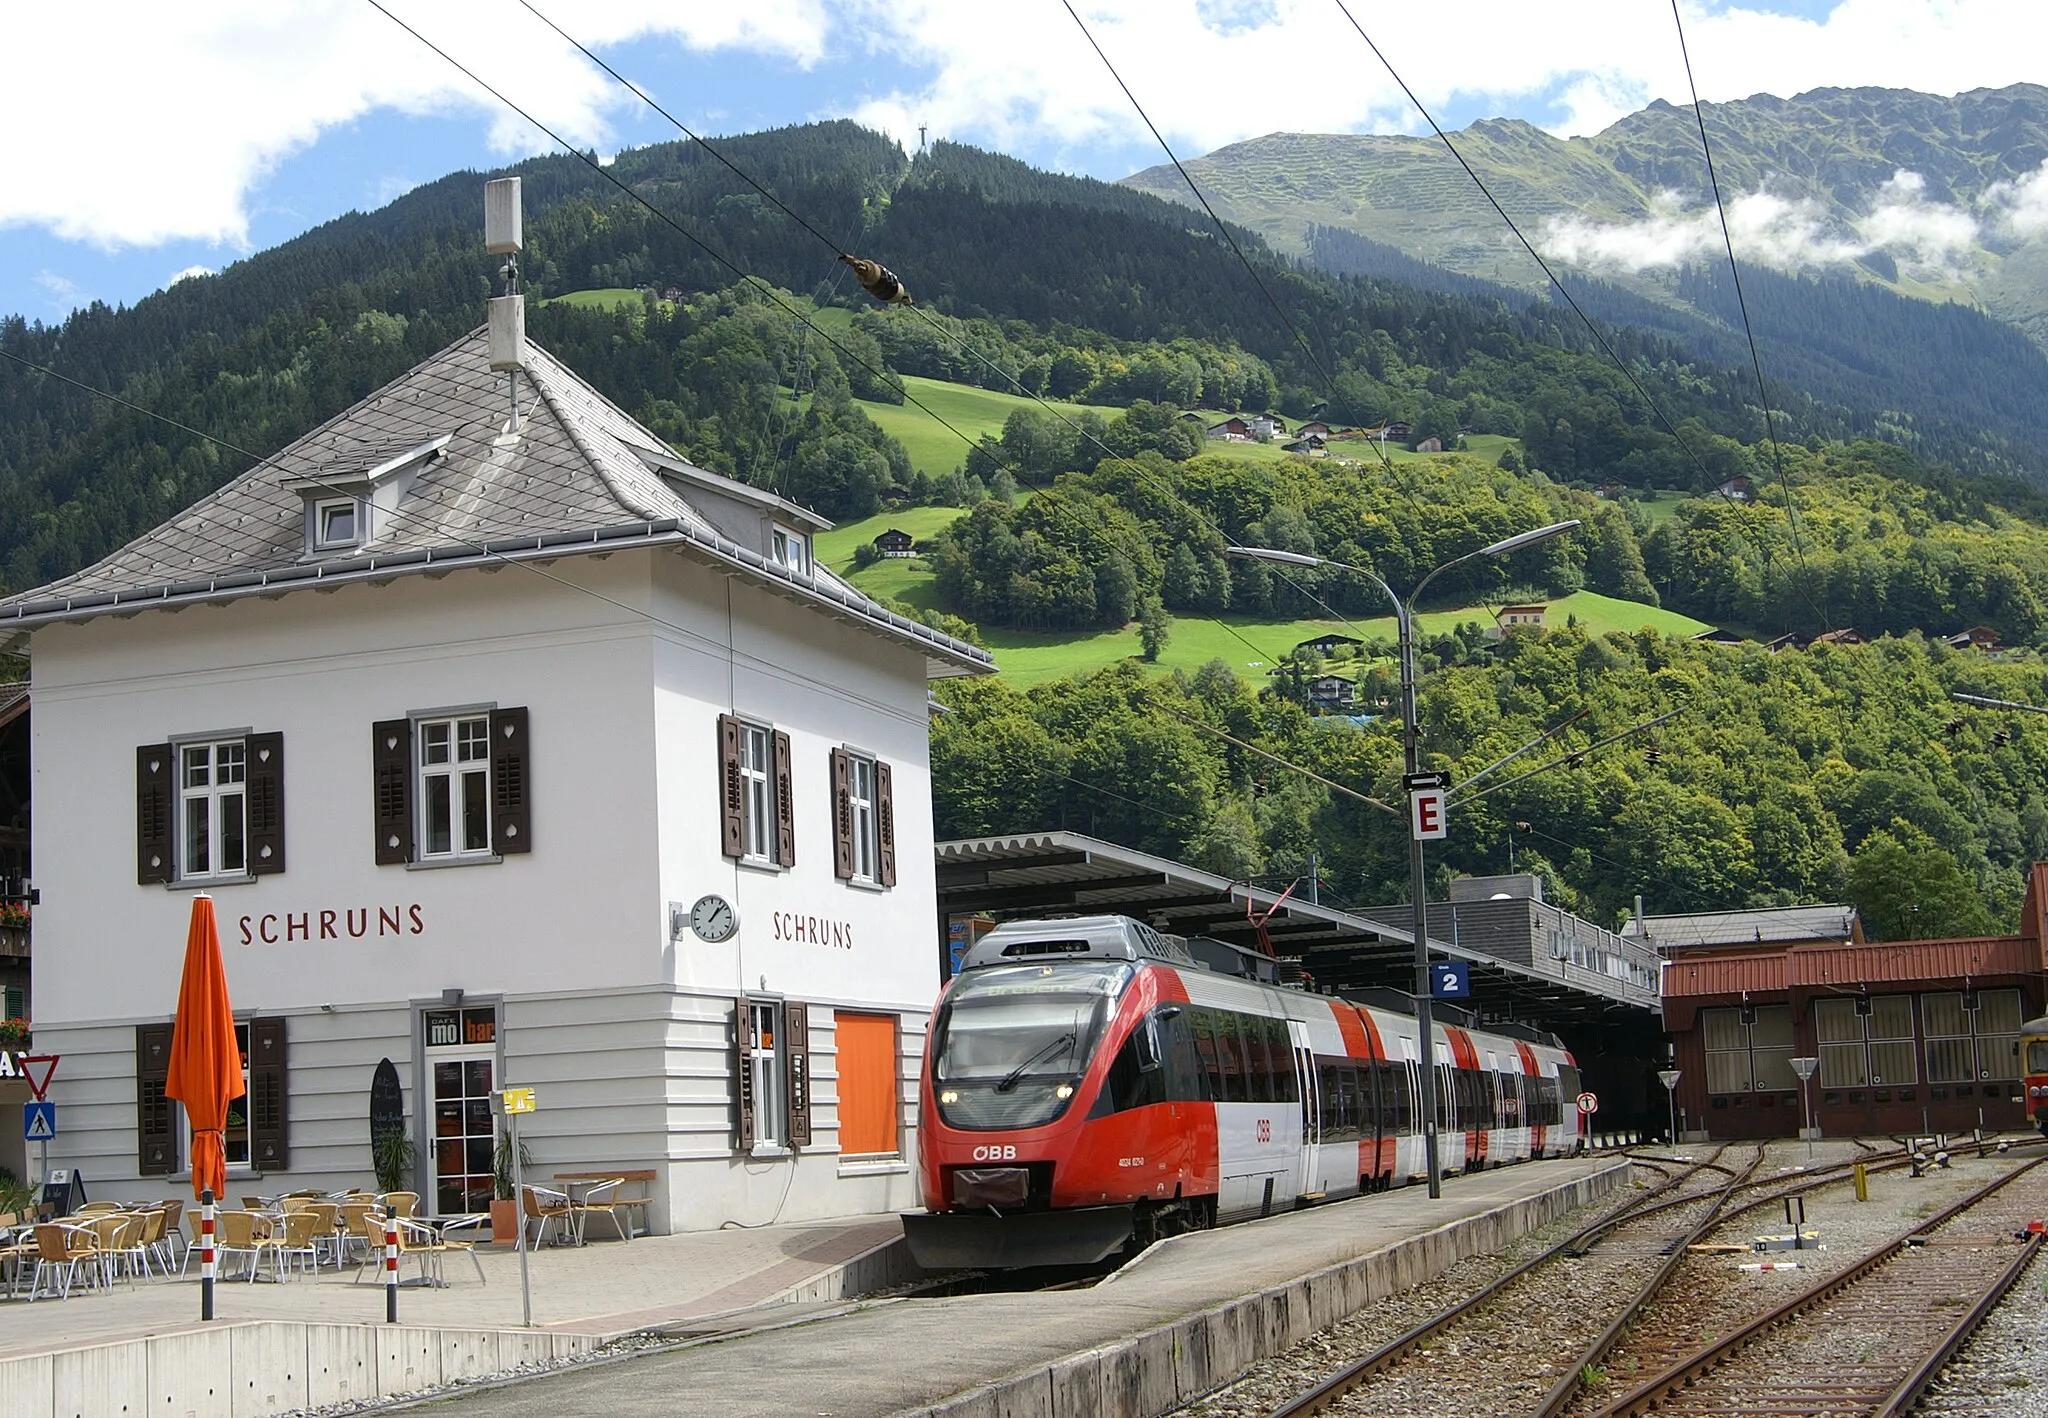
392, 1158
504, 1191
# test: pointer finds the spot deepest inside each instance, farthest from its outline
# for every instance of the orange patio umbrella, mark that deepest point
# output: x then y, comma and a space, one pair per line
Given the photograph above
206, 1063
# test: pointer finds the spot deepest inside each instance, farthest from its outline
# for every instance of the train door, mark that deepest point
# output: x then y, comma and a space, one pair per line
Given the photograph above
1450, 1134
1313, 1184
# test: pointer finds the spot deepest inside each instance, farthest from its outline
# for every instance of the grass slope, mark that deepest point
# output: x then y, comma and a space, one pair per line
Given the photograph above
936, 449
1251, 647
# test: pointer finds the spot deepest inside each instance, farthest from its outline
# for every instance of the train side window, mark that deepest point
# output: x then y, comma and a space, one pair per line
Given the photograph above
1253, 1068
1286, 1079
1186, 1081
1202, 1024
1131, 1082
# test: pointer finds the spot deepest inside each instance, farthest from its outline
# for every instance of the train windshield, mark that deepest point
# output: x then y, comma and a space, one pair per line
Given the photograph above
2037, 1056
1012, 1038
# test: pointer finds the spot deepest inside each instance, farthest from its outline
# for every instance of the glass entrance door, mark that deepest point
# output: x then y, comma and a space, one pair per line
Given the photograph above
462, 1061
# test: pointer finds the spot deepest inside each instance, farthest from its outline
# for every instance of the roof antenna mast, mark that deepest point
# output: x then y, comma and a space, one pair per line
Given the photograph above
507, 324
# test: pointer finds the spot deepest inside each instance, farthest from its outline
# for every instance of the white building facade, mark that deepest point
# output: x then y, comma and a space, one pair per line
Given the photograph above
518, 755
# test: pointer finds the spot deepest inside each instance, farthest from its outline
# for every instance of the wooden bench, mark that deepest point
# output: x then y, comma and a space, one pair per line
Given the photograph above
635, 1206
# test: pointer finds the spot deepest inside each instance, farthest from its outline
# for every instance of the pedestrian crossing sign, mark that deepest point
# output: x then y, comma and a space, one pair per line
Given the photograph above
38, 1121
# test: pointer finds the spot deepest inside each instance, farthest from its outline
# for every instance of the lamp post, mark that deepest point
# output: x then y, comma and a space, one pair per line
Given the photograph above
1669, 1078
1411, 742
1804, 1067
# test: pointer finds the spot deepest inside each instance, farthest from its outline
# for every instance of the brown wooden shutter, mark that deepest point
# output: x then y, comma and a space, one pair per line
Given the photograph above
156, 1133
155, 822
796, 1027
785, 804
269, 1097
391, 768
511, 818
842, 814
743, 1081
885, 823
731, 800
266, 804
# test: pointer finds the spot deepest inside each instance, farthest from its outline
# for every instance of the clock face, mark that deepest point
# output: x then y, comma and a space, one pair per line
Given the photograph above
713, 918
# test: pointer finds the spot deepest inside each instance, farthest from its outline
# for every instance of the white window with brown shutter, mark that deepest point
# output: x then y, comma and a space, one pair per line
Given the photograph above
757, 793
451, 787
258, 1133
863, 819
209, 809
771, 1076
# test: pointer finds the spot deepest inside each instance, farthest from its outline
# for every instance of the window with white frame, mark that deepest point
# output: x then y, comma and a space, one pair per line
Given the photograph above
337, 522
455, 786
757, 774
771, 1103
867, 846
793, 550
213, 810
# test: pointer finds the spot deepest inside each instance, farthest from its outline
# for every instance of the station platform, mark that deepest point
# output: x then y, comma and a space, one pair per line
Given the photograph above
1187, 1316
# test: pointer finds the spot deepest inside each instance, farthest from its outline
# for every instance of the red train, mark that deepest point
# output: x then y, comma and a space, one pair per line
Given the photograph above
1090, 1084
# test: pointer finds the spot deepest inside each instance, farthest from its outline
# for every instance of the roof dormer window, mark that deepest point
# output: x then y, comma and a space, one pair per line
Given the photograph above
793, 550
337, 523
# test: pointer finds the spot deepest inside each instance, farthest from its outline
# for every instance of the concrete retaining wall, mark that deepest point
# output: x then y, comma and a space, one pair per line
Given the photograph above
1165, 1368
881, 1268
268, 1367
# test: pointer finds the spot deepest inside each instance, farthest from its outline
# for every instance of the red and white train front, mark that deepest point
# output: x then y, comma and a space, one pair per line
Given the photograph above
1090, 1082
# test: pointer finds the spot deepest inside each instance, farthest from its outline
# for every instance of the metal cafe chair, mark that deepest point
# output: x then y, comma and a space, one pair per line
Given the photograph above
542, 1205
597, 1200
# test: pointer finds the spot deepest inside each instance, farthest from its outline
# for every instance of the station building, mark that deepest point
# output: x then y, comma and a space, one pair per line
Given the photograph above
1910, 1036
516, 750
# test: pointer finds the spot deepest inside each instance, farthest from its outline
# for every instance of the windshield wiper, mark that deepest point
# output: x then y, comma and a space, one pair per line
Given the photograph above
1065, 1041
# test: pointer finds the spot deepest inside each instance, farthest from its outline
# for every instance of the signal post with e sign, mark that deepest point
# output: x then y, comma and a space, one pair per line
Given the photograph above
512, 1102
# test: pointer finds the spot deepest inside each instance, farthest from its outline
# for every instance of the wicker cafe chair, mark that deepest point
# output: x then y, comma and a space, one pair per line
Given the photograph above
452, 1242
66, 1252
173, 1209
328, 1235
236, 1233
298, 1241
598, 1201
402, 1204
120, 1243
366, 1228
357, 1229
542, 1205
18, 1254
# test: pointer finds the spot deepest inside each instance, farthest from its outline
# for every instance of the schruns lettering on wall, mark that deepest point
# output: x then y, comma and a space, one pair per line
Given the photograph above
284, 927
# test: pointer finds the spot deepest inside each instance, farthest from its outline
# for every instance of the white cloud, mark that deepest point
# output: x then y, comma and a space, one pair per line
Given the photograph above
192, 106
1789, 233
189, 273
1930, 240
2020, 208
65, 294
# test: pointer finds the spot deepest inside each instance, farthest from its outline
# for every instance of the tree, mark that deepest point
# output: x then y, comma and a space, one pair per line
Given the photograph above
1905, 886
1154, 626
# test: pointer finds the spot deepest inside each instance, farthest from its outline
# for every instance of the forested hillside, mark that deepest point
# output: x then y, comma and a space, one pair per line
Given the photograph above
272, 345
1821, 775
1787, 776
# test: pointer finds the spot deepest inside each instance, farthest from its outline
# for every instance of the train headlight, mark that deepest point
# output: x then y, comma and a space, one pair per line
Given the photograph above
950, 1096
1065, 1090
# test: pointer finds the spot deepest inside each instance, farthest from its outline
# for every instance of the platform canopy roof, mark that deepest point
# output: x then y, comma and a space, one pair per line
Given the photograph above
1067, 873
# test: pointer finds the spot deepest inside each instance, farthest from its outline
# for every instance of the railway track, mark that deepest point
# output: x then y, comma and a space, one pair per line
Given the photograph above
1401, 1373
1868, 1340
1646, 1243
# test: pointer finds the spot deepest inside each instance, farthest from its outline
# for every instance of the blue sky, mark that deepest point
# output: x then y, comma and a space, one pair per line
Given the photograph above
222, 129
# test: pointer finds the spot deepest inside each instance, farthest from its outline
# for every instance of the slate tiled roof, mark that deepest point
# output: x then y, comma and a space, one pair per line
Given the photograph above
572, 481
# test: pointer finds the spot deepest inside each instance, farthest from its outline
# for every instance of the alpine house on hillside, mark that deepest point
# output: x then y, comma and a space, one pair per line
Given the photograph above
516, 750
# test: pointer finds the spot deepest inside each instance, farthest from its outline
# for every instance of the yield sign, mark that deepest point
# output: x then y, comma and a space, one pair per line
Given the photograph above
29, 1063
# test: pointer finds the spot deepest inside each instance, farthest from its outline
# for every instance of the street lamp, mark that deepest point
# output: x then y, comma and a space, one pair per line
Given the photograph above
1411, 735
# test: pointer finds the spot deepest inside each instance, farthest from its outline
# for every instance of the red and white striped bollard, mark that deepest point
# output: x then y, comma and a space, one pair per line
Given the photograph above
390, 1270
207, 1254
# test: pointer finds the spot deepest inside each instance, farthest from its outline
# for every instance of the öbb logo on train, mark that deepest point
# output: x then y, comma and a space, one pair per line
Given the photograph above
995, 1154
